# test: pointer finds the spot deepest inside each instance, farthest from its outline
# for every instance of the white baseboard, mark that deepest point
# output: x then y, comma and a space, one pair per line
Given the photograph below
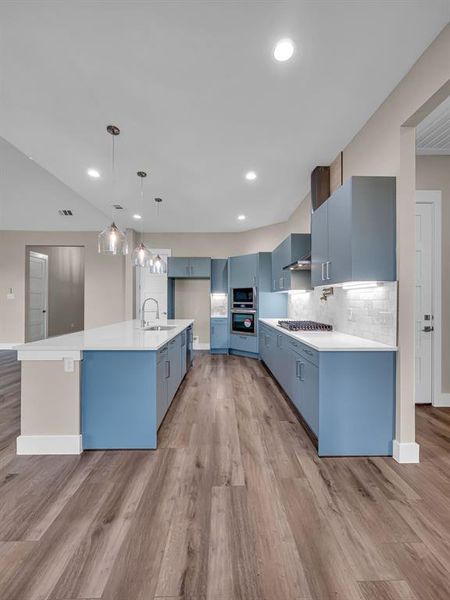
49, 444
442, 401
406, 452
9, 345
201, 346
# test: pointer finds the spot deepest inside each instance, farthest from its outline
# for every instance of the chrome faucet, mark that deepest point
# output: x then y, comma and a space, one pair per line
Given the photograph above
143, 322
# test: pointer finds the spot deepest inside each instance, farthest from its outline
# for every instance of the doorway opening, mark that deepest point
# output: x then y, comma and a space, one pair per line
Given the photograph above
54, 291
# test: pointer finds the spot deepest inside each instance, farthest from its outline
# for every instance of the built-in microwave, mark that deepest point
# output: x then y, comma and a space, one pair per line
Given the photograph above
243, 298
243, 322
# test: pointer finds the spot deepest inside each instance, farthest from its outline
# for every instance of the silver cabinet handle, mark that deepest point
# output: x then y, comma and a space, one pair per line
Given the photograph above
167, 369
302, 376
297, 366
323, 271
274, 284
328, 270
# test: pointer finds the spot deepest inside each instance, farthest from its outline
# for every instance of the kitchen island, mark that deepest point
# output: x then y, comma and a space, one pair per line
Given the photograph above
102, 388
342, 386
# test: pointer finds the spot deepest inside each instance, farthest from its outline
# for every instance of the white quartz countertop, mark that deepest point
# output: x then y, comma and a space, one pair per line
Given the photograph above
126, 335
331, 341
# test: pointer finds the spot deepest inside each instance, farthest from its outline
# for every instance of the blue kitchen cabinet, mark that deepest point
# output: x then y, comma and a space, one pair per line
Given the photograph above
219, 335
174, 358
162, 373
319, 245
177, 267
347, 399
243, 271
307, 393
354, 233
294, 247
247, 344
189, 267
219, 276
183, 335
200, 268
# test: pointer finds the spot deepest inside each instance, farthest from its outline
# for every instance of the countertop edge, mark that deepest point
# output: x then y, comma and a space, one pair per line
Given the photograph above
31, 347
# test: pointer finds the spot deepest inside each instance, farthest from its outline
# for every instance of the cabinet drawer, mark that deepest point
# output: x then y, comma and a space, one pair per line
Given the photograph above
303, 350
247, 343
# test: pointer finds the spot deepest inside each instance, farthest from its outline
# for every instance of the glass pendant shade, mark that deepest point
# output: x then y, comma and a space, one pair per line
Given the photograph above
159, 265
112, 241
141, 256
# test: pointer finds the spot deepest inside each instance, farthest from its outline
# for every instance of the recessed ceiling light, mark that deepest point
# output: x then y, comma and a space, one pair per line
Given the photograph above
241, 218
251, 176
93, 173
284, 49
137, 217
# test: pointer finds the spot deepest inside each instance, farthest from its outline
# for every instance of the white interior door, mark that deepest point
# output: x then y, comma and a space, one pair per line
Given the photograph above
38, 297
424, 301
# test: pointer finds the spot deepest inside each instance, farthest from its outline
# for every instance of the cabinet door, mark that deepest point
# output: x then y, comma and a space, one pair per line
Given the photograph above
319, 245
161, 395
183, 353
243, 270
308, 396
174, 366
200, 267
339, 263
219, 334
219, 276
177, 267
282, 362
246, 343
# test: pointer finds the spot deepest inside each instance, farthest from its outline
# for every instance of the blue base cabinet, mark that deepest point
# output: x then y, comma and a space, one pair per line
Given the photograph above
245, 344
126, 394
347, 399
219, 335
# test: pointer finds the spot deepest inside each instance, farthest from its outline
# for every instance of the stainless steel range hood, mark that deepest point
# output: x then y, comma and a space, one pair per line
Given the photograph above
303, 264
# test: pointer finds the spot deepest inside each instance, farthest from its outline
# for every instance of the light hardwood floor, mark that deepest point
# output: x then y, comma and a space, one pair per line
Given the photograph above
235, 504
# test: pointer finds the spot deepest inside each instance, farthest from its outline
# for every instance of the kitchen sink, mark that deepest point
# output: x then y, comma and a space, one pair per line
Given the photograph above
159, 328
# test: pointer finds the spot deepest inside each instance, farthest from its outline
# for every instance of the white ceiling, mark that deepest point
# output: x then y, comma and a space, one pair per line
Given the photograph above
433, 133
198, 97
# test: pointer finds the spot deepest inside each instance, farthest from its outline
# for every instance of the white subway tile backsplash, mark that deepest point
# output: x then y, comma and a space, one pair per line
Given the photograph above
369, 313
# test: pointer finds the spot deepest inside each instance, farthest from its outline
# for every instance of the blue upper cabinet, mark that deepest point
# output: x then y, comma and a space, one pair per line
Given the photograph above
294, 247
244, 271
354, 233
219, 276
183, 267
177, 266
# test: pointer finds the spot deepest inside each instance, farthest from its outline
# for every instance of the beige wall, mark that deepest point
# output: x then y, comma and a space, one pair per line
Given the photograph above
65, 288
192, 302
433, 173
105, 289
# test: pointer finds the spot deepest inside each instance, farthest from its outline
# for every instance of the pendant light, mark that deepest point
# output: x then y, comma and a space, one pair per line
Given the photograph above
141, 255
159, 265
112, 240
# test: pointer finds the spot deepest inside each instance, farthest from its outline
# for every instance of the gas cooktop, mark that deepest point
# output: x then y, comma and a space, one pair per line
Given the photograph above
305, 326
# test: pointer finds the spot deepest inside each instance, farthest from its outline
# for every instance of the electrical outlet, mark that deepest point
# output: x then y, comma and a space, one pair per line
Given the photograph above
11, 294
350, 314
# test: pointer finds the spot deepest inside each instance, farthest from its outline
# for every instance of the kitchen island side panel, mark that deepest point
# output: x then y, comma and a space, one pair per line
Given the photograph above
356, 403
118, 400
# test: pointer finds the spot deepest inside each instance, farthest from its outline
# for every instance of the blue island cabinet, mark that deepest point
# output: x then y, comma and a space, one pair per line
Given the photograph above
126, 394
346, 399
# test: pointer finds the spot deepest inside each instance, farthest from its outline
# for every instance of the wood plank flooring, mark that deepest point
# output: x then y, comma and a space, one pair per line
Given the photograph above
234, 505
